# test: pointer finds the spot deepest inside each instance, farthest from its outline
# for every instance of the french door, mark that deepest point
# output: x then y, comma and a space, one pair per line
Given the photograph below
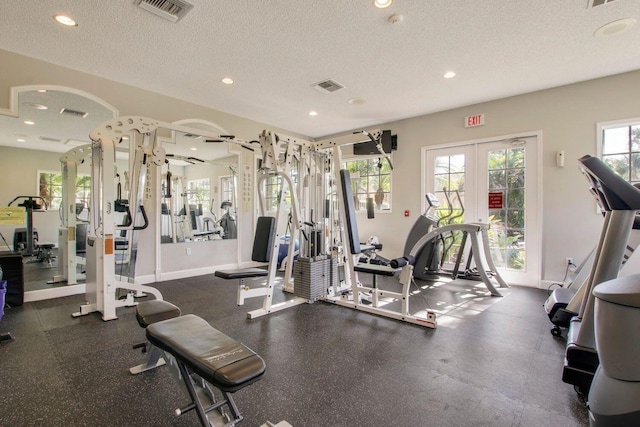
493, 181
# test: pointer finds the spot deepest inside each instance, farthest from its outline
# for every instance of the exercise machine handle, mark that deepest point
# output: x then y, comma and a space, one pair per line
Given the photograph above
145, 218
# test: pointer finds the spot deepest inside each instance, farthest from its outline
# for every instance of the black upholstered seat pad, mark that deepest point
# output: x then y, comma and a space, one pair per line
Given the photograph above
153, 311
241, 273
220, 360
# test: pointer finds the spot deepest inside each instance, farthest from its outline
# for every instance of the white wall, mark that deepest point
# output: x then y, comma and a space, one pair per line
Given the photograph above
567, 117
18, 70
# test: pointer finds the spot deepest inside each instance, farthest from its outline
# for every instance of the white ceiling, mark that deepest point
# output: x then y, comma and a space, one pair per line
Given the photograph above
52, 131
275, 51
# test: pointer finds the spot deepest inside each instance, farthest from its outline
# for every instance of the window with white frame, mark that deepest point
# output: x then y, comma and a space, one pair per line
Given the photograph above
199, 192
370, 178
50, 188
227, 189
273, 189
619, 143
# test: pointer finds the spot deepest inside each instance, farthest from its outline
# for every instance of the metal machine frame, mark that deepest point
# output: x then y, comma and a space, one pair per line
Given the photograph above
102, 282
67, 256
278, 152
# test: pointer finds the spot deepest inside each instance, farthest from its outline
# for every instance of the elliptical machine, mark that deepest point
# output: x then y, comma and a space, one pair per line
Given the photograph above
428, 259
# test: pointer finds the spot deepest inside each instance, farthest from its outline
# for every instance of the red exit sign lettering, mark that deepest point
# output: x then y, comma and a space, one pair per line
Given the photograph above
473, 121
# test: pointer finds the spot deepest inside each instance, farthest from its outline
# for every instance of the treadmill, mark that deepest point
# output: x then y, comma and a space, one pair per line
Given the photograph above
620, 200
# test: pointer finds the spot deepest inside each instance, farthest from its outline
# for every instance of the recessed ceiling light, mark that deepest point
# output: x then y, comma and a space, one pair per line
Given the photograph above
65, 20
227, 81
41, 90
449, 75
21, 140
29, 122
615, 27
313, 113
193, 149
382, 3
357, 101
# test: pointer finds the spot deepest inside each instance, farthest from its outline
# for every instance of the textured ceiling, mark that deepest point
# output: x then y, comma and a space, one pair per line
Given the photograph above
274, 50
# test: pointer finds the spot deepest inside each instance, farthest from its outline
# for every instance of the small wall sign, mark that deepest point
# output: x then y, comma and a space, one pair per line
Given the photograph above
473, 121
496, 200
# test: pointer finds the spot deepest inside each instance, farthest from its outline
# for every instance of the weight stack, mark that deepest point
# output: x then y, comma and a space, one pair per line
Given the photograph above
312, 277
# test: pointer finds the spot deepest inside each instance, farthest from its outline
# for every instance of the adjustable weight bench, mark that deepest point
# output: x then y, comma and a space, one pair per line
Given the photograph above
147, 313
206, 357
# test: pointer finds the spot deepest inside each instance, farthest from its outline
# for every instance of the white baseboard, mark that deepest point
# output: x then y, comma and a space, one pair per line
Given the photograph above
57, 292
182, 274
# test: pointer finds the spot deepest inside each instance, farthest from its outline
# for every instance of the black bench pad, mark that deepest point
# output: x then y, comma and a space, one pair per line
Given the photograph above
218, 359
153, 311
380, 270
242, 273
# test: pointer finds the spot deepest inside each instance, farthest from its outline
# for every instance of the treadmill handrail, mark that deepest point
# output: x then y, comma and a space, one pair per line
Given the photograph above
614, 192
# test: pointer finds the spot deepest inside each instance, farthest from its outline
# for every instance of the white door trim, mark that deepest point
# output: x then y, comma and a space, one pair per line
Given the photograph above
538, 180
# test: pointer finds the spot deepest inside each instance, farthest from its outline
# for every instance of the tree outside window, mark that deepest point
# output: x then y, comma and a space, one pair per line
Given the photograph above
50, 188
199, 192
621, 150
370, 178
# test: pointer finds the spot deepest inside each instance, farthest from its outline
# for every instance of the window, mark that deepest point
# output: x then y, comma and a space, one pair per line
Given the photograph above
199, 192
273, 188
620, 144
370, 178
50, 188
227, 189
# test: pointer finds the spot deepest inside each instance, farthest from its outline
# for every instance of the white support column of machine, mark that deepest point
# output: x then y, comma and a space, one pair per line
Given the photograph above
102, 282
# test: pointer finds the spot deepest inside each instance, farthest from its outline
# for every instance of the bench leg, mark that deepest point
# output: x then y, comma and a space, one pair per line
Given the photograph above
154, 360
197, 404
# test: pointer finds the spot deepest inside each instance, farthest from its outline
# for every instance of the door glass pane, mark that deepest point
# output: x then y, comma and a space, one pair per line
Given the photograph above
497, 179
507, 174
449, 189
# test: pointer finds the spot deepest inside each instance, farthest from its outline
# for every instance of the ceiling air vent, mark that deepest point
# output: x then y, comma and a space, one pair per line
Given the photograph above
74, 113
594, 3
327, 86
171, 10
47, 138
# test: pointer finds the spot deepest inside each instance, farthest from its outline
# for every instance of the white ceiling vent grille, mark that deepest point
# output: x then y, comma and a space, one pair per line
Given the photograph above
171, 10
74, 113
48, 138
327, 86
595, 3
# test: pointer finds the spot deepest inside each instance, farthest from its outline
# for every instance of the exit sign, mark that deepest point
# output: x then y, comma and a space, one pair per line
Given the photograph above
473, 121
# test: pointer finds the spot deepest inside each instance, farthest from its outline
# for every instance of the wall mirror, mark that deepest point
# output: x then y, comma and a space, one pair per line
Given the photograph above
199, 197
43, 123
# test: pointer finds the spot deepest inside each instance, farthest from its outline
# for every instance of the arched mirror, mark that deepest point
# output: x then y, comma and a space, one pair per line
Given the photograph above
199, 198
44, 123
199, 187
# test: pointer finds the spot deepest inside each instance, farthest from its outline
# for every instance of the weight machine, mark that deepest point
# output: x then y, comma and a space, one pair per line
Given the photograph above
315, 217
67, 233
102, 284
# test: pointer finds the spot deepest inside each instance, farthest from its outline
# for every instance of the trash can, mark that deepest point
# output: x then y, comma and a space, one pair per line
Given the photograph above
3, 291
